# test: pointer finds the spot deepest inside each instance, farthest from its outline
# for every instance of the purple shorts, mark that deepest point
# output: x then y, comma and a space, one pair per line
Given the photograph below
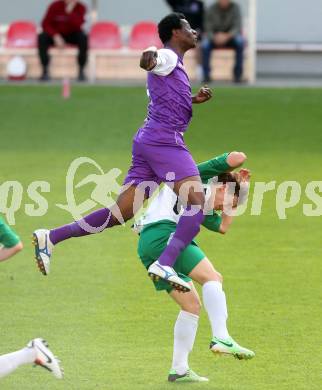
159, 158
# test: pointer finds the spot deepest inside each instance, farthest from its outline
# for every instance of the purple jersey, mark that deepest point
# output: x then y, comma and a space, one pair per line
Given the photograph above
170, 106
158, 146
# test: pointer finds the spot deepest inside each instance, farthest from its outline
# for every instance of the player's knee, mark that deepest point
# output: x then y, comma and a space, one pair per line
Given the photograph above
219, 277
216, 277
193, 306
213, 276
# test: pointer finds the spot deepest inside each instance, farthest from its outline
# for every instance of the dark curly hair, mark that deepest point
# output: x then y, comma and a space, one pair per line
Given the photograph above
169, 23
230, 178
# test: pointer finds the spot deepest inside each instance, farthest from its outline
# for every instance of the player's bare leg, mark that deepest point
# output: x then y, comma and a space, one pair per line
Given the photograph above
127, 204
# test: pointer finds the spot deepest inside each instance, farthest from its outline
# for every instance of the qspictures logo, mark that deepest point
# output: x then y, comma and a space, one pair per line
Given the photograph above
104, 187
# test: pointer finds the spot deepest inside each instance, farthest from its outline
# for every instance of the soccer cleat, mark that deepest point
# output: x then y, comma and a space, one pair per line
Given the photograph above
156, 271
43, 249
189, 376
45, 358
230, 347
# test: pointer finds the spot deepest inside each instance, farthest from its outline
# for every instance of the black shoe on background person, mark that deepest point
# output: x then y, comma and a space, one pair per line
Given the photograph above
81, 75
44, 76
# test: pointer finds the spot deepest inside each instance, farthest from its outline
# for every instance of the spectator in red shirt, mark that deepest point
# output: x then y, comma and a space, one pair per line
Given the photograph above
63, 24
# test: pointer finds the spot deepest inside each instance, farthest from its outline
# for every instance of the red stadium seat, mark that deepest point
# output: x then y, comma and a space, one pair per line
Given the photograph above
105, 35
143, 35
21, 34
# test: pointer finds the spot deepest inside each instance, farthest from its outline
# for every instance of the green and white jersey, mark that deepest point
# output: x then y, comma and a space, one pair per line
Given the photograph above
167, 206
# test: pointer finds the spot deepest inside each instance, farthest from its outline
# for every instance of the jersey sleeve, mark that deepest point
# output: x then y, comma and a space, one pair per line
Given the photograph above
213, 167
212, 222
166, 62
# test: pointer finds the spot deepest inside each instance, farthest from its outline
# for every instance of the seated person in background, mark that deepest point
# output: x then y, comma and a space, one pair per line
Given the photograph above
223, 26
62, 24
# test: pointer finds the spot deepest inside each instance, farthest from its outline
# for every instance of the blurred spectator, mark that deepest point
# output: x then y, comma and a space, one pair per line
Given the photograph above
63, 24
223, 26
193, 11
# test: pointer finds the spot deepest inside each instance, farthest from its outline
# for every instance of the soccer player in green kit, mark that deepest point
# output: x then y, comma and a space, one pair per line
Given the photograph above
10, 243
156, 227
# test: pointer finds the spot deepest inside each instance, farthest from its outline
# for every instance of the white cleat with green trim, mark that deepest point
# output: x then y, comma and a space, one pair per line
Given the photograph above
230, 347
189, 376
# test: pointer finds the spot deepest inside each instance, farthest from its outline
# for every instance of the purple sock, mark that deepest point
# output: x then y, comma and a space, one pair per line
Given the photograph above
188, 227
91, 224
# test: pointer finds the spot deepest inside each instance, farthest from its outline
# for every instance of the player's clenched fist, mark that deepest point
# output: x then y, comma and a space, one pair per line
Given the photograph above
149, 58
203, 95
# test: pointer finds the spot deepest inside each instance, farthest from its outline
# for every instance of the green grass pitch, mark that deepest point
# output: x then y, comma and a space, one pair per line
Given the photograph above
98, 309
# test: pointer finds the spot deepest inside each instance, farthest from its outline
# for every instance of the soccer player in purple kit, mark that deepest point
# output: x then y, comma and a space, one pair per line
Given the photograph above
159, 154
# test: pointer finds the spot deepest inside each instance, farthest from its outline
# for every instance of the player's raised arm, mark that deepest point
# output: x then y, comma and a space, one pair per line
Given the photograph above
160, 62
224, 163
